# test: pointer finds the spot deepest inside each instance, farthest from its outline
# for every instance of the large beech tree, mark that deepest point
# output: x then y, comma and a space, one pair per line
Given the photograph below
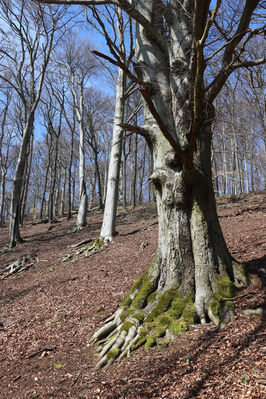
184, 52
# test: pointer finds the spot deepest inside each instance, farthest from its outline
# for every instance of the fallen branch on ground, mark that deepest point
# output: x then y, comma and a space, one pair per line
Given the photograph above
19, 265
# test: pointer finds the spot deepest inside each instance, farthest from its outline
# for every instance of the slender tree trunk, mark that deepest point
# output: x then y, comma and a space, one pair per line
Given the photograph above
44, 187
108, 225
133, 185
15, 207
2, 196
99, 180
141, 176
63, 194
26, 181
124, 176
69, 207
51, 197
83, 201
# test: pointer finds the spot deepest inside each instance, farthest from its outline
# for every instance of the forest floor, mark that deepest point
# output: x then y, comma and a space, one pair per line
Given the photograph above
49, 313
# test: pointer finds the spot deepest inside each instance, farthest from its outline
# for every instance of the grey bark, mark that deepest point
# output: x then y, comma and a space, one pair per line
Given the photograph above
108, 224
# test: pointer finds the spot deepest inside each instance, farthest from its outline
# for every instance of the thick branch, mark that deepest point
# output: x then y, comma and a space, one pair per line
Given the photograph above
135, 129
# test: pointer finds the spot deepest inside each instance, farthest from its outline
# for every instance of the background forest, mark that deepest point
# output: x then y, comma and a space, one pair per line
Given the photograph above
56, 81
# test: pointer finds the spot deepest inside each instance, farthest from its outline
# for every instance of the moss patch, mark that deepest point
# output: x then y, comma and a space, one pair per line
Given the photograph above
163, 320
141, 298
163, 304
143, 332
152, 296
141, 341
126, 301
126, 326
151, 341
178, 326
177, 307
113, 354
158, 332
225, 287
163, 342
138, 316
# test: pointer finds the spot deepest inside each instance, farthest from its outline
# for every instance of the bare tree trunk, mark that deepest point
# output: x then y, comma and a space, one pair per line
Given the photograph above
15, 207
108, 225
26, 179
45, 187
63, 193
2, 196
133, 185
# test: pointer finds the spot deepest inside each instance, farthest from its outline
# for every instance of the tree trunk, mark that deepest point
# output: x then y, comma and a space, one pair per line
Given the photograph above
63, 193
2, 196
15, 207
133, 185
45, 187
108, 225
83, 205
69, 198
192, 266
26, 179
192, 272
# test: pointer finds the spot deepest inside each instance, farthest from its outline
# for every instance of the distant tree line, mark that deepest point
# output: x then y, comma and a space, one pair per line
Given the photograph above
56, 122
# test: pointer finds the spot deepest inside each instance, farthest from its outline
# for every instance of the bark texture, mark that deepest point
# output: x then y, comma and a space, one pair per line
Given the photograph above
108, 225
192, 273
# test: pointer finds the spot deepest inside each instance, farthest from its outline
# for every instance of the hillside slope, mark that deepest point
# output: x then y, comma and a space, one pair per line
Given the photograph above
49, 312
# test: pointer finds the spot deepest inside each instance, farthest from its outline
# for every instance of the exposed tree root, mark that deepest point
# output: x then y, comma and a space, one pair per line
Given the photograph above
19, 266
149, 316
94, 246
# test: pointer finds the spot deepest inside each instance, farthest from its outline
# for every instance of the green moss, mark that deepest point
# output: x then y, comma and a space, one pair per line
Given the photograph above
225, 287
143, 332
189, 312
230, 304
177, 307
124, 315
141, 298
163, 320
98, 242
158, 332
126, 301
138, 316
126, 326
163, 304
163, 342
151, 341
113, 354
152, 296
215, 308
141, 341
178, 326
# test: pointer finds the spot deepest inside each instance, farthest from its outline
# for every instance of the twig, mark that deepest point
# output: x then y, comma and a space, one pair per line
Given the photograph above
41, 351
237, 297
